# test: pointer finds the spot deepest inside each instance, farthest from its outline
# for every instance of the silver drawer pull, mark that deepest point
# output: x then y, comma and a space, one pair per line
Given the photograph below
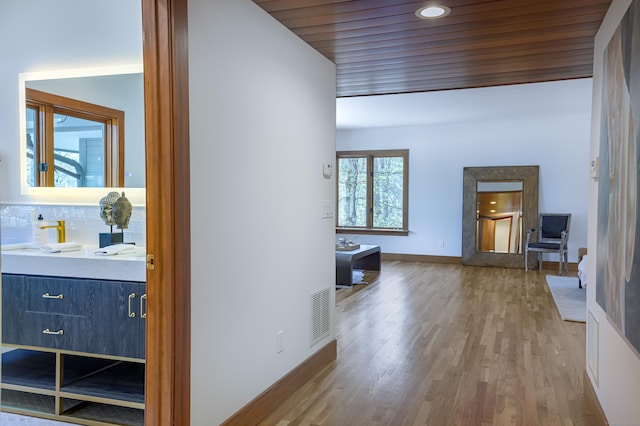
48, 296
131, 313
143, 310
57, 333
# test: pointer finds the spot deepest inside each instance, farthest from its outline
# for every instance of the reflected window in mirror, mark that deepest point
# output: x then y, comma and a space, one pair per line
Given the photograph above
33, 151
499, 217
71, 143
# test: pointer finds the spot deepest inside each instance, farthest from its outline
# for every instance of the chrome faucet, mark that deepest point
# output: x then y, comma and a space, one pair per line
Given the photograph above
59, 227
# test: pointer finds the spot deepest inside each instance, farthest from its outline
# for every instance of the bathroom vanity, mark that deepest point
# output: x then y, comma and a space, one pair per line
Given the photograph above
73, 336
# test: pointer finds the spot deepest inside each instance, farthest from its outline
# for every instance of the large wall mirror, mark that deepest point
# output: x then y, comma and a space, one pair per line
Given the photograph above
499, 205
85, 155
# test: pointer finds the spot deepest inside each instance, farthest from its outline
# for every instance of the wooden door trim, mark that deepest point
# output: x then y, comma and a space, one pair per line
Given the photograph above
167, 387
258, 409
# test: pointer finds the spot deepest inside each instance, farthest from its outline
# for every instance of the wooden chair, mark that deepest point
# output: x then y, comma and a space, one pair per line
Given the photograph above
552, 236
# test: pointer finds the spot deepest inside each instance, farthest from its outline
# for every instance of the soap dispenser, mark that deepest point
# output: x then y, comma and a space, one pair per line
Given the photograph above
38, 235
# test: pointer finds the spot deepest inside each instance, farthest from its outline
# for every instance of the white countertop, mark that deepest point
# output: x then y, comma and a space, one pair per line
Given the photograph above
82, 263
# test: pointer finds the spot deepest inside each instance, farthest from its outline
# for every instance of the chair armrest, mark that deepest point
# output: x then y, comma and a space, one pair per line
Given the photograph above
529, 232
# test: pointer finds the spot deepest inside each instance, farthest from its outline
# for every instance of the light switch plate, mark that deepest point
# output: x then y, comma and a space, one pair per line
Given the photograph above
593, 171
327, 209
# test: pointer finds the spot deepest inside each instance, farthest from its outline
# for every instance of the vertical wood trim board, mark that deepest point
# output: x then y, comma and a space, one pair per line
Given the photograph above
167, 384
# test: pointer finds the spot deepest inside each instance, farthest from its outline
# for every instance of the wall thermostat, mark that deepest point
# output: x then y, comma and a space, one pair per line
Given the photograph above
327, 170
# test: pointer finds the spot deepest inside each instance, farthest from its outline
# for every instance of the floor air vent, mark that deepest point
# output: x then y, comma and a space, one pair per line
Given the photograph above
319, 316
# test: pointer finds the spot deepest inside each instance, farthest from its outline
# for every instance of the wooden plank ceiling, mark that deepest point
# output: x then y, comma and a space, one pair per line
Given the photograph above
380, 47
499, 204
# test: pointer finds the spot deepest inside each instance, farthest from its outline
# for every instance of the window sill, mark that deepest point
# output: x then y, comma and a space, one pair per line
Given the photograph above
370, 231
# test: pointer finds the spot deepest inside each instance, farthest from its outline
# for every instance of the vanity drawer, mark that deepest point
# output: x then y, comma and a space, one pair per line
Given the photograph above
55, 331
61, 296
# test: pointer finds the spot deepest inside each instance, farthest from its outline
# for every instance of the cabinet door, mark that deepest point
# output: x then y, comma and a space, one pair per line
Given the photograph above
13, 309
114, 318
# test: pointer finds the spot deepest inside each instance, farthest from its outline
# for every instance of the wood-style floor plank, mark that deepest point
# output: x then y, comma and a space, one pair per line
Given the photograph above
436, 344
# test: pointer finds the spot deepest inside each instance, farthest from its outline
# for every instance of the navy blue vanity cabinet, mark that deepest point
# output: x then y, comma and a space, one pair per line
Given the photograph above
80, 315
12, 308
117, 315
77, 348
55, 313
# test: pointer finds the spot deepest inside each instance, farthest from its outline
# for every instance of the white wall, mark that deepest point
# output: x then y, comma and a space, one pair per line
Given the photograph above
43, 36
615, 366
558, 143
262, 122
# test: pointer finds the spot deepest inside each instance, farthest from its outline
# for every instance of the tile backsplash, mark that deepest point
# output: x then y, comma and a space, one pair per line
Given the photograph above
82, 223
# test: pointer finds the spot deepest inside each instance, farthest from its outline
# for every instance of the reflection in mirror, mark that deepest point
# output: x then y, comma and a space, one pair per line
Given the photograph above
481, 186
499, 217
84, 148
72, 144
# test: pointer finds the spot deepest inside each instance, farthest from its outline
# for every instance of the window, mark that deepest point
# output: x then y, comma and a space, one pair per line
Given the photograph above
373, 191
71, 143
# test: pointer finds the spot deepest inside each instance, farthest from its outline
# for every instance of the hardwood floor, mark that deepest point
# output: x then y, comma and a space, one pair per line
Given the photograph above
436, 344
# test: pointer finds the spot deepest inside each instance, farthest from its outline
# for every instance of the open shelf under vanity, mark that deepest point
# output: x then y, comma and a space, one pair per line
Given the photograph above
73, 349
80, 389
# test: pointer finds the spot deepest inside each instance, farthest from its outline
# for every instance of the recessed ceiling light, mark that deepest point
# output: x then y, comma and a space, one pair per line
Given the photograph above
492, 202
432, 12
492, 211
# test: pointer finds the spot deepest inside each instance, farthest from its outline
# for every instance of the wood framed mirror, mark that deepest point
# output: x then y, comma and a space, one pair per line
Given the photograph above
484, 189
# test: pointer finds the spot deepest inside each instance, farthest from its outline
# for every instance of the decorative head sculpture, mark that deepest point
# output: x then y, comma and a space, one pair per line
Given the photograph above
115, 209
106, 207
122, 212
